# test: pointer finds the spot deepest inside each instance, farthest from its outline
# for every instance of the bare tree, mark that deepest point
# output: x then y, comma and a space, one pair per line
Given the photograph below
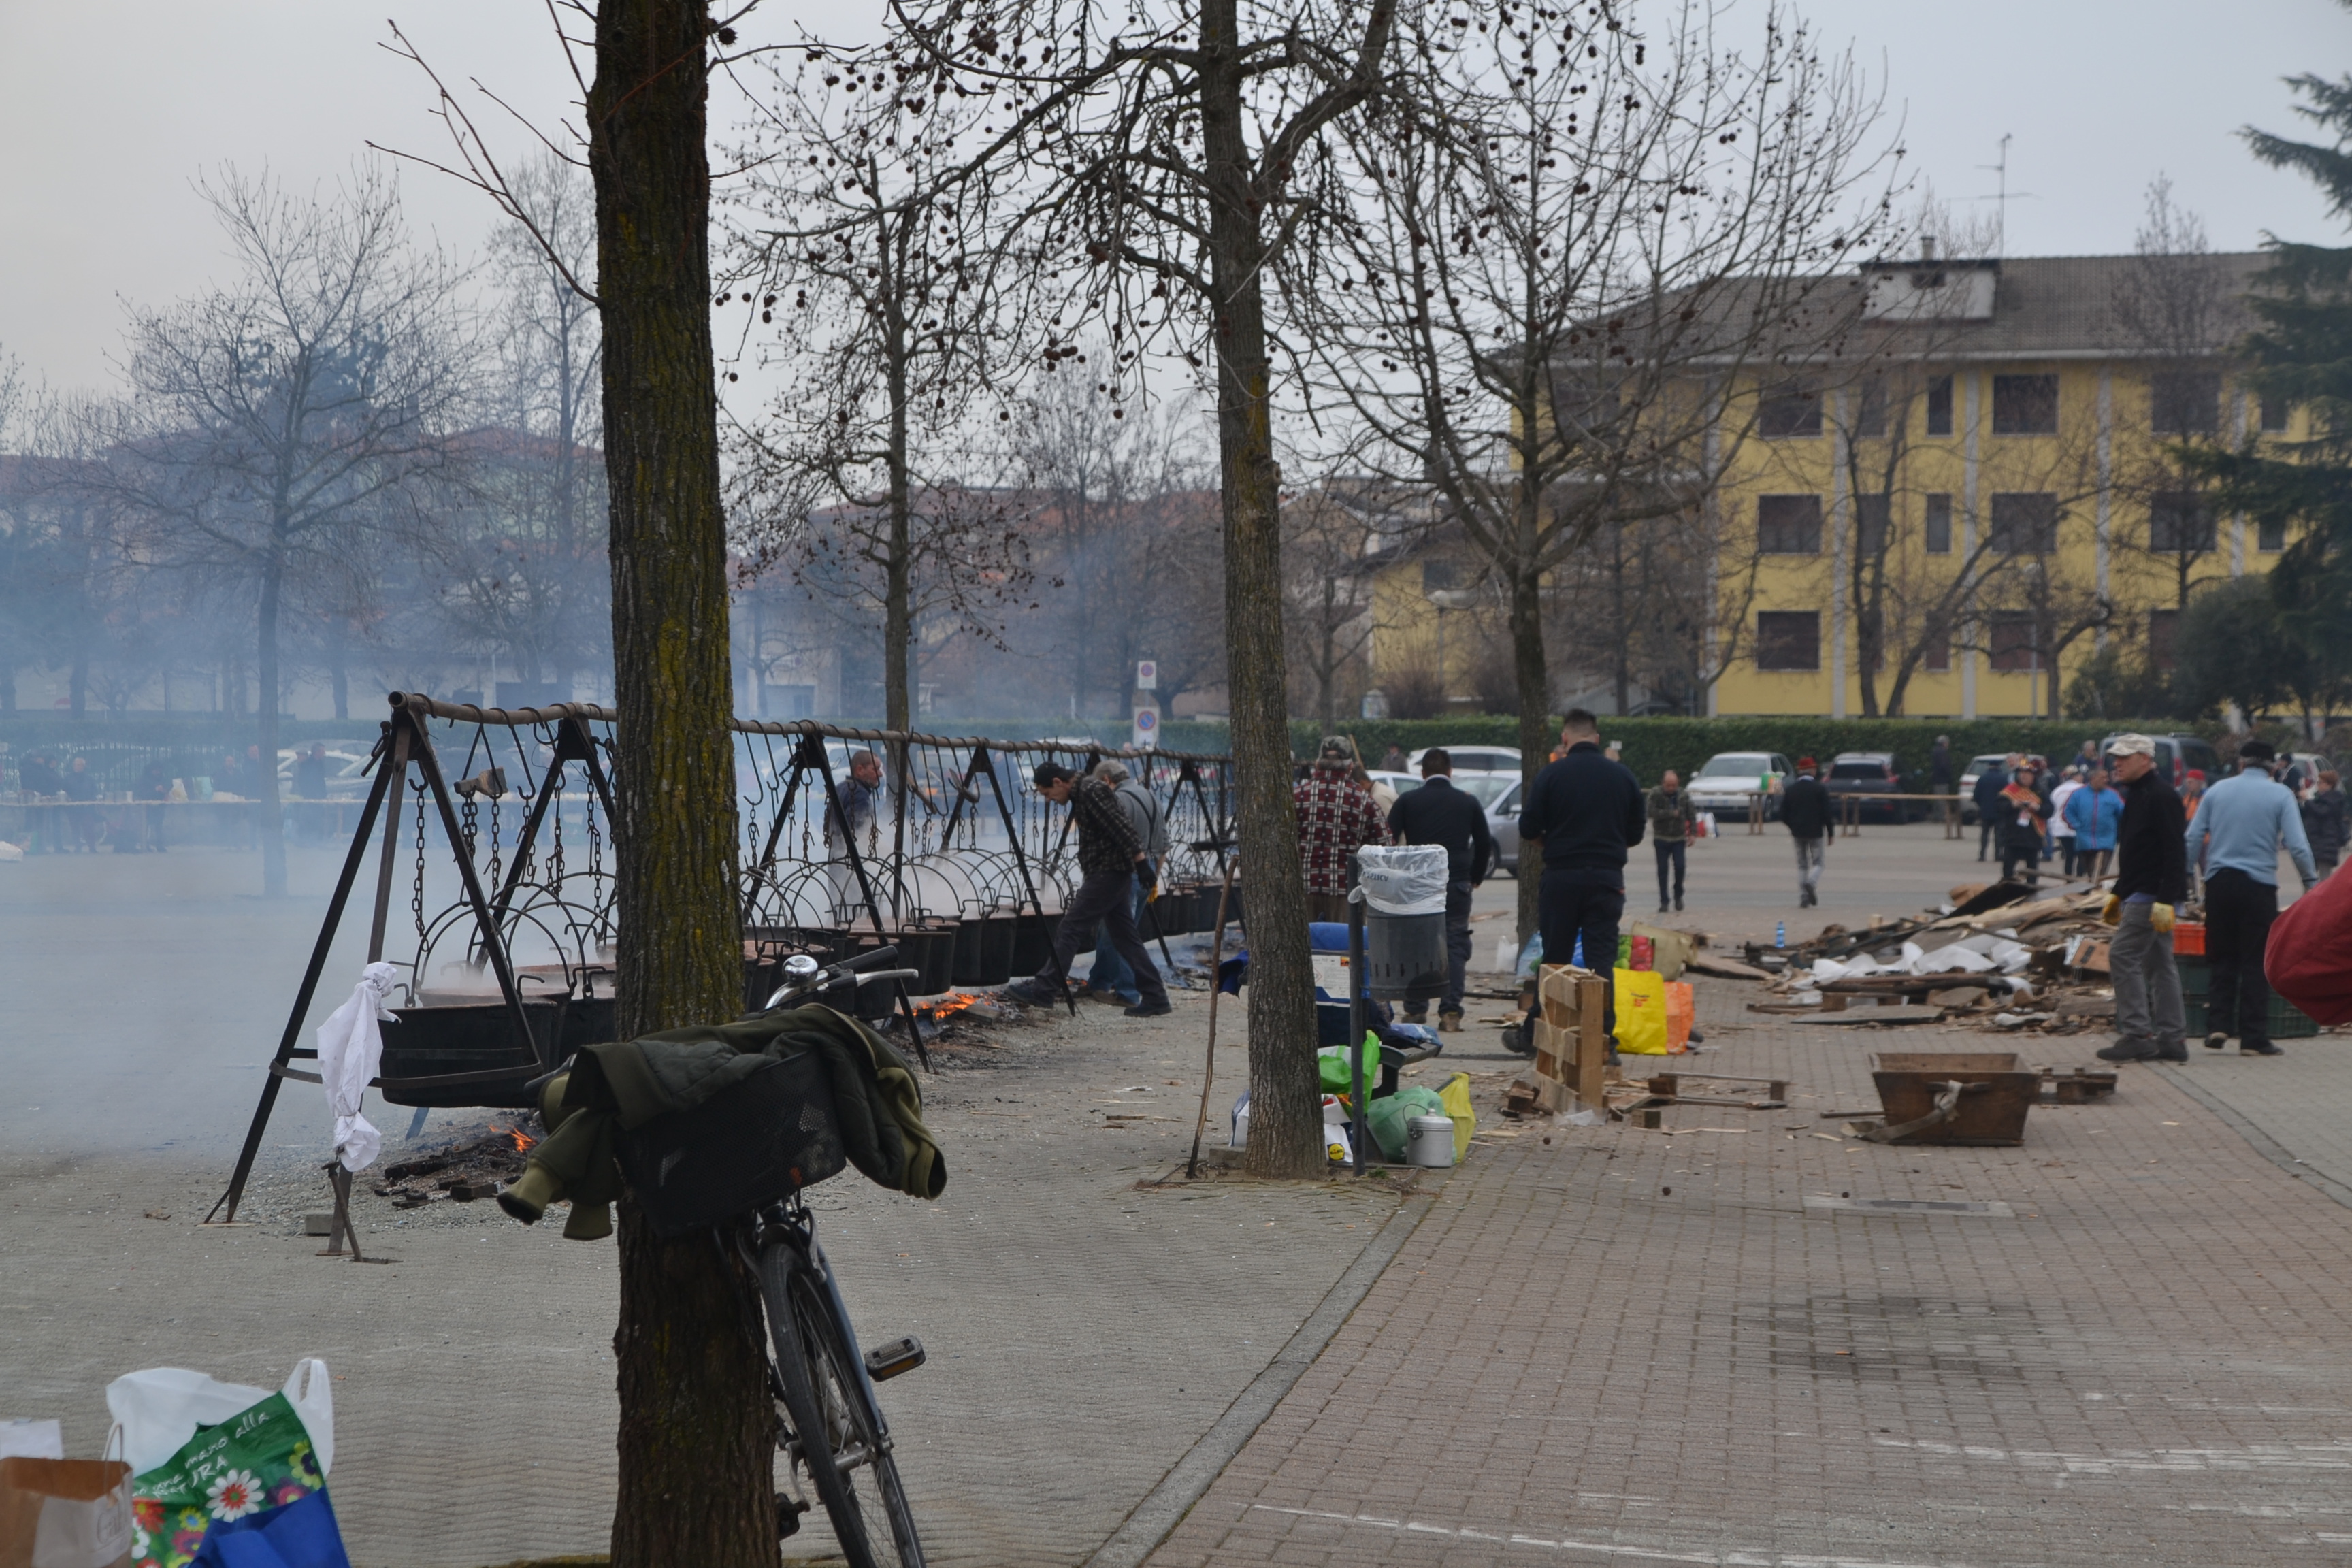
1578, 241
1333, 531
1177, 155
883, 308
271, 423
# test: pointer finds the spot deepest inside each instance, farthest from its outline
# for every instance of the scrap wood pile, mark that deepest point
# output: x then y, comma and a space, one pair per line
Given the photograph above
2003, 956
475, 1168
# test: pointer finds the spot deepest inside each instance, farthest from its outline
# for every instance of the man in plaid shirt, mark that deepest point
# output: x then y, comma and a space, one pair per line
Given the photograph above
1111, 856
1336, 814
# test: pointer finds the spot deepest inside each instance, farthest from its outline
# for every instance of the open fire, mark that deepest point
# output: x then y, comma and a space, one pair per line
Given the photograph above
523, 1141
943, 1008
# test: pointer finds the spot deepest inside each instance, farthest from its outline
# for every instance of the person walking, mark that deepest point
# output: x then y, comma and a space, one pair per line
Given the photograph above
1586, 813
2061, 832
1112, 859
2023, 811
2323, 822
1672, 819
1337, 815
2151, 878
2093, 811
1110, 979
1439, 814
2240, 825
1940, 765
1987, 796
1393, 761
39, 780
1806, 813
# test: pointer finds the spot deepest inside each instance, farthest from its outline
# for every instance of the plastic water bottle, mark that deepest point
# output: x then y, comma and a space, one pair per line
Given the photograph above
1779, 934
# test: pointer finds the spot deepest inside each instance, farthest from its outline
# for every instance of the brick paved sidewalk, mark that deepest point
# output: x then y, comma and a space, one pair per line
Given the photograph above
1619, 1346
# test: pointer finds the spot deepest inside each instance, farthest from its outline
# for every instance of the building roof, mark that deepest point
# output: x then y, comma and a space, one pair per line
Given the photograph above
2058, 307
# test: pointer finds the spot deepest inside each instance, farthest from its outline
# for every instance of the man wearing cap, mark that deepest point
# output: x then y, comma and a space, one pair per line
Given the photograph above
2151, 877
2235, 838
1336, 816
1112, 856
1805, 812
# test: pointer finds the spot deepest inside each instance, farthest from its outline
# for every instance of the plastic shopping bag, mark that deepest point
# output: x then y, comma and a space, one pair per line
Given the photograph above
245, 1483
65, 1513
1641, 1013
1681, 1005
1389, 1116
1403, 878
1331, 1068
1455, 1098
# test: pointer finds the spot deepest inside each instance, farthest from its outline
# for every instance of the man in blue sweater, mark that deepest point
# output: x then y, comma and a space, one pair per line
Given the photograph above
1586, 812
2235, 836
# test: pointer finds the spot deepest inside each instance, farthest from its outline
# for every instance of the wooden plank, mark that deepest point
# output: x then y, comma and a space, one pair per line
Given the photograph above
1592, 1040
1725, 968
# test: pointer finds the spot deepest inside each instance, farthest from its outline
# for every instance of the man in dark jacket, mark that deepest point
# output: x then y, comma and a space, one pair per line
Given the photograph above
1671, 819
2151, 877
2324, 821
1987, 796
1439, 814
1805, 812
2022, 808
1586, 813
1111, 855
1940, 765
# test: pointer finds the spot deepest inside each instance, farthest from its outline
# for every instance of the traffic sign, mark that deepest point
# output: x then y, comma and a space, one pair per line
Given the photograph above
1147, 725
1147, 675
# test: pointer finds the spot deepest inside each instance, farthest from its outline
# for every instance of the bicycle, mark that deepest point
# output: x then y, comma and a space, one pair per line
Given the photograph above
823, 1386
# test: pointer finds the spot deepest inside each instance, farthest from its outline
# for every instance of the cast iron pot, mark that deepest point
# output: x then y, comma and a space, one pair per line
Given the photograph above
983, 950
471, 1037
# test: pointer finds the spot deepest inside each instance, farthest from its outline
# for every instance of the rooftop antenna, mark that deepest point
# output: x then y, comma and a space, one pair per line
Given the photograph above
2002, 196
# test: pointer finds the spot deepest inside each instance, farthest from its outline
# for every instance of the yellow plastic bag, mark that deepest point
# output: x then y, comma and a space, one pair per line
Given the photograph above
1641, 1013
1455, 1098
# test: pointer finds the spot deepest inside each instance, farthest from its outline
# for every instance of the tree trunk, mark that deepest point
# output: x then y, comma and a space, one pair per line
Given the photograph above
897, 608
697, 1460
1285, 1104
1624, 675
1535, 732
265, 783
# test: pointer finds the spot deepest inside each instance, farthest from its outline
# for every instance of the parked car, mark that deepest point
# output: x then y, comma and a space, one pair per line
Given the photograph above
1503, 822
1724, 782
2297, 769
1474, 759
2176, 755
1868, 773
347, 770
1969, 777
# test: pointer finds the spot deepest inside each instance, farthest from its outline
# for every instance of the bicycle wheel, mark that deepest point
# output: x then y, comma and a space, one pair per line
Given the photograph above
840, 1432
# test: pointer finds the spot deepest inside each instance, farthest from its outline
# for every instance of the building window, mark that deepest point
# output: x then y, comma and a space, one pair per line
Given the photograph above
1436, 576
1939, 525
1873, 523
1938, 653
2161, 625
1870, 411
2013, 640
1788, 410
1789, 525
1940, 406
2273, 414
2179, 523
2270, 535
2025, 406
1788, 639
2184, 403
2024, 523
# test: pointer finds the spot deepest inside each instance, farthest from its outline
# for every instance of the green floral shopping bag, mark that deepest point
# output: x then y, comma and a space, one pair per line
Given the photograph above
257, 1460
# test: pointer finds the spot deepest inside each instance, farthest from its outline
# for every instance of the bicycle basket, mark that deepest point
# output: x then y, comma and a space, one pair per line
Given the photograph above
769, 1136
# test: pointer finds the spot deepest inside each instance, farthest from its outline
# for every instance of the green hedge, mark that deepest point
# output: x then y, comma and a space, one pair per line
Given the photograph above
1654, 745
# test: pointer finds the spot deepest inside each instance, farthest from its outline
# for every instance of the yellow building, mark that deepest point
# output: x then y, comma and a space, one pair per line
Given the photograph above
1977, 490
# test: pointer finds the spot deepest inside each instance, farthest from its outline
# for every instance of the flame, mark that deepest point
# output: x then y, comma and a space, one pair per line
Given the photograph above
523, 1141
945, 1007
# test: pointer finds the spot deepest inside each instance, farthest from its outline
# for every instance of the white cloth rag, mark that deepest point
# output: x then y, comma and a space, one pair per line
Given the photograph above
350, 1048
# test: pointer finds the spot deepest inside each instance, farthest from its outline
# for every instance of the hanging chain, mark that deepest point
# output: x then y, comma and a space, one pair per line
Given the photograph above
495, 861
416, 890
470, 819
555, 848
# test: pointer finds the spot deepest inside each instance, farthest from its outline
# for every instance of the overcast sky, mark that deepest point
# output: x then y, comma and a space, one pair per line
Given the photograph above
108, 115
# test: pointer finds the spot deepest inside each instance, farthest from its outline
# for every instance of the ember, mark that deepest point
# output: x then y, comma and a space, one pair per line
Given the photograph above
464, 1172
523, 1141
944, 1007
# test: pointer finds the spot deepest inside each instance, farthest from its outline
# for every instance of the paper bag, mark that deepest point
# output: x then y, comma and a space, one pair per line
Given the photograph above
65, 1513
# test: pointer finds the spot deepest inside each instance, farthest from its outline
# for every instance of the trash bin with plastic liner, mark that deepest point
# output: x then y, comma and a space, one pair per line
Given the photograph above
1402, 888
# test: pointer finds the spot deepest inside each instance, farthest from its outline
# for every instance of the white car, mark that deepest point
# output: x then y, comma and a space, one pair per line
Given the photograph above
1725, 783
1496, 793
1474, 759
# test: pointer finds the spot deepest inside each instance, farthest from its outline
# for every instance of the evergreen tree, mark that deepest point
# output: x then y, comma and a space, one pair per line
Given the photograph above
2301, 356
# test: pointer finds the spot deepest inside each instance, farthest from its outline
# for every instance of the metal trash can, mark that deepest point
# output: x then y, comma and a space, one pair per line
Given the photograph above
1403, 954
